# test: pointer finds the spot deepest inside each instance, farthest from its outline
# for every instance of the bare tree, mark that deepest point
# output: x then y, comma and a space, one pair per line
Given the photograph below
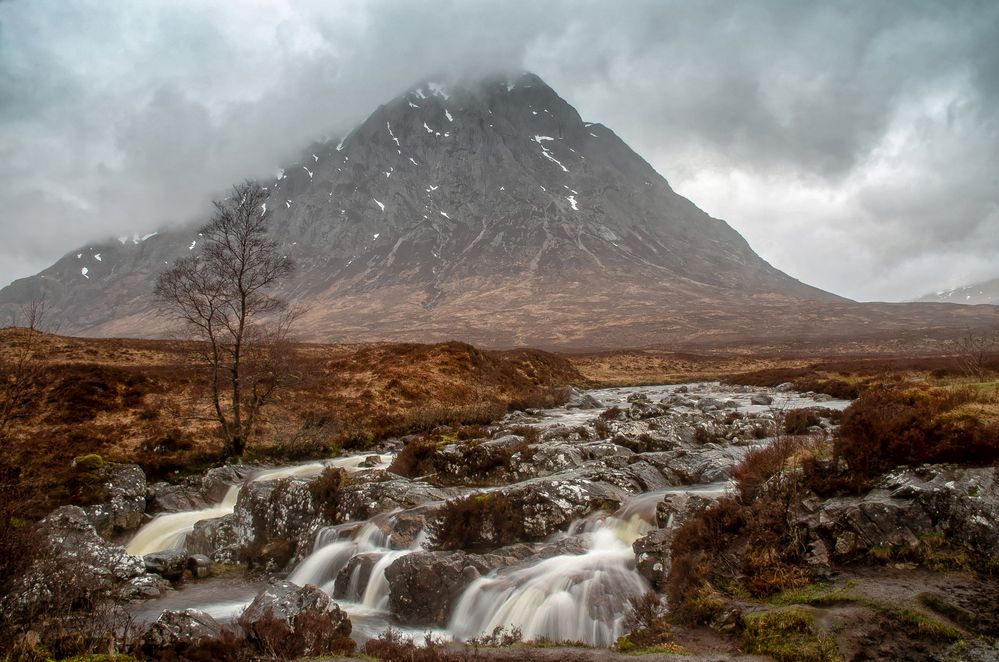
222, 294
17, 378
973, 349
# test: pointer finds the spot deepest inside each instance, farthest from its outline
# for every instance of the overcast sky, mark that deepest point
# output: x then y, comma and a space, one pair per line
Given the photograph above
854, 144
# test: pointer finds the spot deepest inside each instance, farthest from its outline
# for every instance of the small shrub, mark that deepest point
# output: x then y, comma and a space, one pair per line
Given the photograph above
602, 428
325, 491
415, 459
530, 434
476, 523
797, 421
613, 414
646, 624
500, 636
392, 646
892, 426
309, 635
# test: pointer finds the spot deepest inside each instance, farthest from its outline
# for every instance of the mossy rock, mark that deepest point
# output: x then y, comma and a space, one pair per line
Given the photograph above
89, 462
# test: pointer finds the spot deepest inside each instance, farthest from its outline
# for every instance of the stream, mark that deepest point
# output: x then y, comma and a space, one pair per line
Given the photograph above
575, 588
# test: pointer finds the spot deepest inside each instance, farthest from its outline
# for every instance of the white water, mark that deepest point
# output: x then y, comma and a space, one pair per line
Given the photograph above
169, 530
577, 597
571, 597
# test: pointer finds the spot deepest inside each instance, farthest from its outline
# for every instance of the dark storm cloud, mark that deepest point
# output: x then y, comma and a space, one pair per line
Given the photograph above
855, 144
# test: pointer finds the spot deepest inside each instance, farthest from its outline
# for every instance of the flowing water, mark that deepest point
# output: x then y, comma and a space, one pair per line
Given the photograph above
574, 597
169, 530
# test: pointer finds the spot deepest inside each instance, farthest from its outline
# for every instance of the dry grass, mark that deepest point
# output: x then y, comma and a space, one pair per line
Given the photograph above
144, 401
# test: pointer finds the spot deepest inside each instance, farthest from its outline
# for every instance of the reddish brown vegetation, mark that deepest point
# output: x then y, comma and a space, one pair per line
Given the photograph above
481, 522
145, 401
894, 426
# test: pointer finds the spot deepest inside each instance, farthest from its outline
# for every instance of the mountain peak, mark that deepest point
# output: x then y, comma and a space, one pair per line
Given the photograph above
450, 203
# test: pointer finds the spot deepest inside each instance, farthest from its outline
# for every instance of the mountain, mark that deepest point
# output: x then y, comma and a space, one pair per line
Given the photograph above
987, 292
491, 212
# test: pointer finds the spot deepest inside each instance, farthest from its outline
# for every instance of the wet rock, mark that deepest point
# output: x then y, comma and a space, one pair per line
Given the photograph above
371, 461
652, 556
221, 539
424, 586
784, 387
710, 463
910, 507
761, 399
297, 609
125, 485
169, 564
551, 504
582, 400
353, 578
75, 560
199, 566
197, 492
361, 501
653, 552
173, 628
677, 508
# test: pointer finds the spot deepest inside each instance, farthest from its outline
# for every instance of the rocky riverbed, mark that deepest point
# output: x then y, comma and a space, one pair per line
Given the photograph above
569, 514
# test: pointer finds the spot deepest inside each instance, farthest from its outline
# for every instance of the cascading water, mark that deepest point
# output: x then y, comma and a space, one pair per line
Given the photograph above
169, 530
577, 597
573, 597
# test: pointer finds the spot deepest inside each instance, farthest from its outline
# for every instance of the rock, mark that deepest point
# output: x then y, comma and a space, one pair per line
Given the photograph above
125, 485
785, 387
424, 586
678, 507
221, 539
199, 566
761, 399
166, 498
169, 564
582, 400
652, 556
74, 558
371, 461
298, 609
909, 507
180, 627
352, 580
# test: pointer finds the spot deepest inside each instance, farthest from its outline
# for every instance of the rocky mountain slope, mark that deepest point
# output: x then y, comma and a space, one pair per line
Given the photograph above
491, 212
987, 292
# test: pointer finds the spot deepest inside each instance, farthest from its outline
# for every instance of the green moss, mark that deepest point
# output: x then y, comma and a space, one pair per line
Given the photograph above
89, 462
920, 624
787, 635
816, 595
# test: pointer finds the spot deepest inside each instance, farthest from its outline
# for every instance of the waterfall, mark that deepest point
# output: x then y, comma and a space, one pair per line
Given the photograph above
572, 597
169, 530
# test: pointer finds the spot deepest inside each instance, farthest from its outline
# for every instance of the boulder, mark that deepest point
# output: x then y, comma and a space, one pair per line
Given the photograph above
125, 485
76, 561
169, 564
424, 586
761, 399
582, 400
173, 628
300, 613
909, 508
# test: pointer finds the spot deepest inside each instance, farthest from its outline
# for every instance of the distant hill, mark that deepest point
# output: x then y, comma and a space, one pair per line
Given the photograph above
987, 292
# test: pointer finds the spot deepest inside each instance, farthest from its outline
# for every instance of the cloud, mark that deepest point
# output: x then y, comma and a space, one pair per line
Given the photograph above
854, 144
